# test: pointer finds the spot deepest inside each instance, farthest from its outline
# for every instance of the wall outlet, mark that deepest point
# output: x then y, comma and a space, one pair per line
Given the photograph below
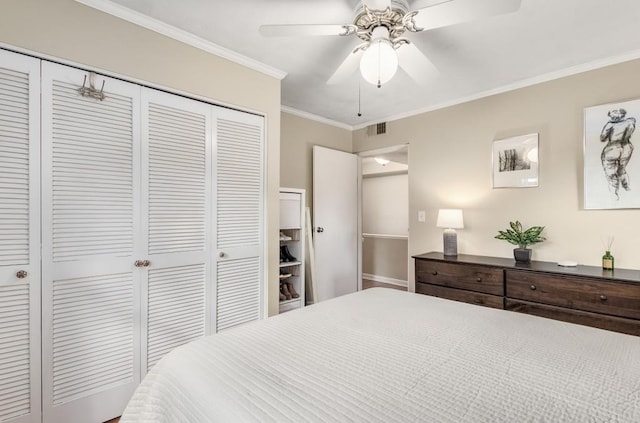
422, 216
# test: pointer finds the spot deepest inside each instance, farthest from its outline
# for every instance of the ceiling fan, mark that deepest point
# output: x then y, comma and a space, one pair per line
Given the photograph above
381, 25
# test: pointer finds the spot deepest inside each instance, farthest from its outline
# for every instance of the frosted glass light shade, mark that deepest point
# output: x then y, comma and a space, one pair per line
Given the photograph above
379, 61
450, 219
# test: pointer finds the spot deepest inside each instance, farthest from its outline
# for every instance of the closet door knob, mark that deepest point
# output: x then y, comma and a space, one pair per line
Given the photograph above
319, 229
146, 263
21, 274
138, 263
221, 254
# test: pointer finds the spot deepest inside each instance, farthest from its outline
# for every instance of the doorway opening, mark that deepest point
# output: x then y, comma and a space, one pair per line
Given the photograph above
384, 211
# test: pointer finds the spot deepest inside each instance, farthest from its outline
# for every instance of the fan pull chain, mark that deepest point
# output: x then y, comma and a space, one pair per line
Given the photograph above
379, 64
359, 111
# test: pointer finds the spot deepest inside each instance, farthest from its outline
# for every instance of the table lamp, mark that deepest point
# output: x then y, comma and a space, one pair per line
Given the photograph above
450, 220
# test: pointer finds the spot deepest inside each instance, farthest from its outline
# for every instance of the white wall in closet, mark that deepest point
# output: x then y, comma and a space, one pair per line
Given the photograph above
385, 204
385, 226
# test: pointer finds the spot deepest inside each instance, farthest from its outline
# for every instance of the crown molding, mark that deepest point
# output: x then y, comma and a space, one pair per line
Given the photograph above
320, 119
547, 77
170, 31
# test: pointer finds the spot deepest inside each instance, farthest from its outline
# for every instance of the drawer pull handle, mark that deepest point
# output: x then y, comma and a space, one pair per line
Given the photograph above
532, 287
603, 297
21, 274
434, 273
478, 279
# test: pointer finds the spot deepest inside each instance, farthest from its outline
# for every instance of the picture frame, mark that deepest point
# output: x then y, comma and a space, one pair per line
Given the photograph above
611, 172
515, 162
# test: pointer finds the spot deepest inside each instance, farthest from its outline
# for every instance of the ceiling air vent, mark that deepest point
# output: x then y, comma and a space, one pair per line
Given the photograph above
377, 129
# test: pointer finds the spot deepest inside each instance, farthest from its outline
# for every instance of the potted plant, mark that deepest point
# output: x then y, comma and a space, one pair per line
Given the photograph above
522, 238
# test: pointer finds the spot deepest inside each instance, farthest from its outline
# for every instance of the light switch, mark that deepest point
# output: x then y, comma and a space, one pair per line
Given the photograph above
422, 216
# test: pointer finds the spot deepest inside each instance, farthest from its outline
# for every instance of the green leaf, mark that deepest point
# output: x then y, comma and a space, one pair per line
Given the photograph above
516, 226
516, 236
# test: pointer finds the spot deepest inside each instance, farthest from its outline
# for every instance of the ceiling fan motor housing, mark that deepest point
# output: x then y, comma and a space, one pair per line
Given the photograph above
396, 19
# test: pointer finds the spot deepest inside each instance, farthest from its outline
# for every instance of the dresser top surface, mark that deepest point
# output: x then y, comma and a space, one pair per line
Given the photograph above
627, 275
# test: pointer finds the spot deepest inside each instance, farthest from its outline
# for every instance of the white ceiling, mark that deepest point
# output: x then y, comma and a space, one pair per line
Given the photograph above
545, 39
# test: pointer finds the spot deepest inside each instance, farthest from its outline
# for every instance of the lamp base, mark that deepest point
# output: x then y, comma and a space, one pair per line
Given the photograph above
450, 241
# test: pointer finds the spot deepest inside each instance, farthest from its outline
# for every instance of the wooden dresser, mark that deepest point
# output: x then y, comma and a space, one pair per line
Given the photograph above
585, 295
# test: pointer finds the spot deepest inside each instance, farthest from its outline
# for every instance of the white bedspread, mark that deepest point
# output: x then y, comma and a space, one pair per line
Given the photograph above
383, 355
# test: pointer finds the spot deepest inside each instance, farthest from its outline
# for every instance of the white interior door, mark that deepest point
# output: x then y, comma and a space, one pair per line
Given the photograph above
335, 220
19, 238
90, 239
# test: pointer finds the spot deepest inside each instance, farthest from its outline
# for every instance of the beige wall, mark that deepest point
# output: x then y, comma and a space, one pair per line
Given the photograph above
385, 257
297, 138
450, 166
70, 31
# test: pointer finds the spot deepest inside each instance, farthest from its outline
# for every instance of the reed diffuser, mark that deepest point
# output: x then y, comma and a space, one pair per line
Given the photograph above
607, 258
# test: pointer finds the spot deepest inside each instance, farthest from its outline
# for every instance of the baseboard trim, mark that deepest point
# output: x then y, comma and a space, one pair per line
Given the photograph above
384, 279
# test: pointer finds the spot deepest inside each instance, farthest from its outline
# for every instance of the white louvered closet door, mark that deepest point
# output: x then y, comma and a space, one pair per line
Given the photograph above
19, 238
90, 241
239, 192
176, 222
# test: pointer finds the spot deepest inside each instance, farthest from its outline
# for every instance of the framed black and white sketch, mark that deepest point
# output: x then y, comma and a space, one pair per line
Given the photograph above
515, 162
611, 173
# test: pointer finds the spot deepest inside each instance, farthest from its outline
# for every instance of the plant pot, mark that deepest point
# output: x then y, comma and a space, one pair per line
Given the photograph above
522, 255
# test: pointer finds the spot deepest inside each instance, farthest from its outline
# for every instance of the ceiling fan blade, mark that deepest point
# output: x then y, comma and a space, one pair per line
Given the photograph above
423, 4
347, 68
301, 30
459, 11
416, 64
377, 4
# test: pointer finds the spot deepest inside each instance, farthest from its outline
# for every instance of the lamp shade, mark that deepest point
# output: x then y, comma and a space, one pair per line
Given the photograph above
450, 219
379, 62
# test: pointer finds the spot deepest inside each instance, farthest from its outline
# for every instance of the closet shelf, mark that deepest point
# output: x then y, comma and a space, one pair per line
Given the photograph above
290, 263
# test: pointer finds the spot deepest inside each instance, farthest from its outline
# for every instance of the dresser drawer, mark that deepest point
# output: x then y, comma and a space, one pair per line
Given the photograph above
608, 297
460, 295
488, 280
612, 323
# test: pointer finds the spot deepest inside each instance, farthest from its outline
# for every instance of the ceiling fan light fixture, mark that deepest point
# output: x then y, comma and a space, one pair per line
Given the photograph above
379, 61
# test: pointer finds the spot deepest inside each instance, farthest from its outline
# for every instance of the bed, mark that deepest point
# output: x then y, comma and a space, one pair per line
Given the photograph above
383, 355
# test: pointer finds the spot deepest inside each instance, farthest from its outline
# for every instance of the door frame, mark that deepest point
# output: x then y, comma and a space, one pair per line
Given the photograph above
372, 153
